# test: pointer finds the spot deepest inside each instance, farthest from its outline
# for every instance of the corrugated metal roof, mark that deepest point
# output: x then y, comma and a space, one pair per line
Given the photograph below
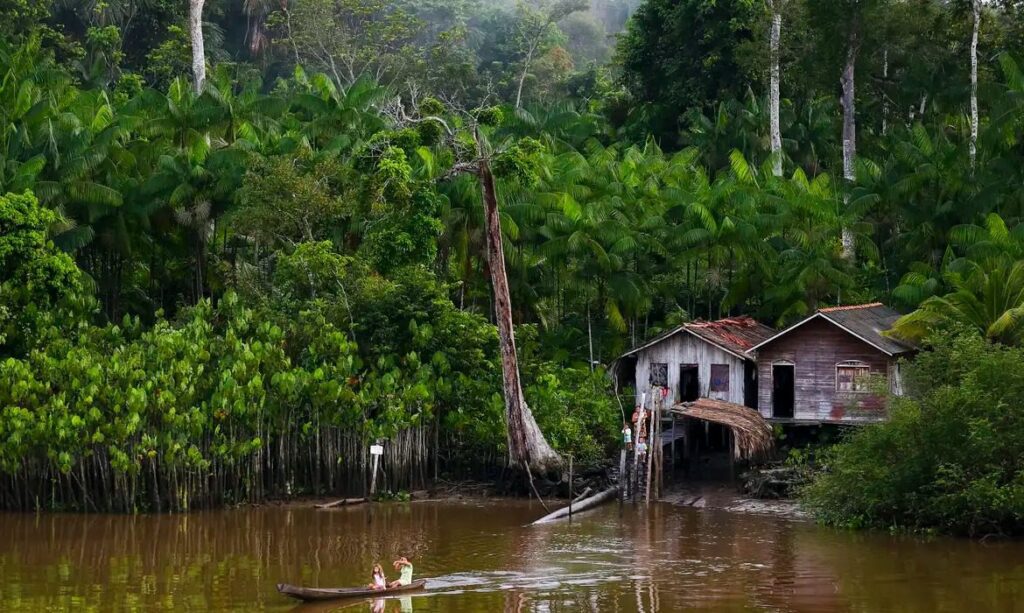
733, 334
868, 322
865, 321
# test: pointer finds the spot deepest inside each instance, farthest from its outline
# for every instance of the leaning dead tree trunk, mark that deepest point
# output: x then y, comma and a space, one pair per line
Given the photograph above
773, 90
195, 30
526, 443
849, 134
973, 145
527, 446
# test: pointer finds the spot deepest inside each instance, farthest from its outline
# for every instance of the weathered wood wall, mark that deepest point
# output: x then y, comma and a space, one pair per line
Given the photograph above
684, 348
815, 348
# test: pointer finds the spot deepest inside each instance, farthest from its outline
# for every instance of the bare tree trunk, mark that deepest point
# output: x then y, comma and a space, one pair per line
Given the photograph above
773, 99
526, 443
195, 29
973, 146
522, 75
291, 37
885, 100
849, 135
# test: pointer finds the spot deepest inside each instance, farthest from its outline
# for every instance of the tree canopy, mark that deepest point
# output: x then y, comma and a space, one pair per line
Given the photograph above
316, 217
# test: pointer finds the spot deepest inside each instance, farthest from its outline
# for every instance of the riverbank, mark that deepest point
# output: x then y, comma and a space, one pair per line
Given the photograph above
724, 497
706, 496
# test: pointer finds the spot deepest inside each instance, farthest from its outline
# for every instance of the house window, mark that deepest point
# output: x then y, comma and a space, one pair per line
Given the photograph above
852, 376
719, 378
659, 374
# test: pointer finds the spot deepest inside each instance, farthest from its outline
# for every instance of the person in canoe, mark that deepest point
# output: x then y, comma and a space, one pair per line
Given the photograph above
403, 566
378, 582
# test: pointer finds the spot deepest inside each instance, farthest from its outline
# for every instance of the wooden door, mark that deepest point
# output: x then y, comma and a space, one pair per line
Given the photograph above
783, 389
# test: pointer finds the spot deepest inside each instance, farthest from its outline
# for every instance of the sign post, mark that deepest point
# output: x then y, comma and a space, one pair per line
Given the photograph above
376, 451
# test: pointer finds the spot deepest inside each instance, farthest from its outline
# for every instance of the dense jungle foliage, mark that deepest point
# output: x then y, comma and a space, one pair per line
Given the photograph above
949, 459
222, 292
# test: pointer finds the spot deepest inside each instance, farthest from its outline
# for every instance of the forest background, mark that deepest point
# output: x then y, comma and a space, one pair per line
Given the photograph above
219, 281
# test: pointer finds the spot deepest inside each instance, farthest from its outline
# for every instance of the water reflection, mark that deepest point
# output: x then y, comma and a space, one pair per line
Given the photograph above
480, 556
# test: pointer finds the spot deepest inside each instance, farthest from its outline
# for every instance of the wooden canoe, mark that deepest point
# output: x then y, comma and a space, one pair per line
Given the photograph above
311, 594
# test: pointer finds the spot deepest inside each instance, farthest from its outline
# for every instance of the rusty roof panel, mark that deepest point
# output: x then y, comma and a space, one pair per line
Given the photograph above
733, 334
736, 334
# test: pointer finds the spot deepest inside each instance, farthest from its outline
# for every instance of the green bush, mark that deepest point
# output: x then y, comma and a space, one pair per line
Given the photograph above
576, 411
951, 457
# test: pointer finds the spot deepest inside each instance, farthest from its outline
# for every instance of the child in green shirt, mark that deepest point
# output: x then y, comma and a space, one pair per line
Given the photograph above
404, 566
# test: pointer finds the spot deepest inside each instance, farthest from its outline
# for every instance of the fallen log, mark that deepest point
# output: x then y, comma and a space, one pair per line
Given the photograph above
585, 493
344, 502
583, 505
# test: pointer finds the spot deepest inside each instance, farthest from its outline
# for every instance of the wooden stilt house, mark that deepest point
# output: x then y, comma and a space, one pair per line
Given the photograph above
831, 367
700, 359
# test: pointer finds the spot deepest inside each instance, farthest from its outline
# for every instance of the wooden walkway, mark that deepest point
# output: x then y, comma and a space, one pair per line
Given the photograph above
750, 438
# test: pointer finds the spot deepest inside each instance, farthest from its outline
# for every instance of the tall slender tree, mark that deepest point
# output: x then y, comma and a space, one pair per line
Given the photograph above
195, 30
842, 25
773, 89
535, 25
973, 146
849, 104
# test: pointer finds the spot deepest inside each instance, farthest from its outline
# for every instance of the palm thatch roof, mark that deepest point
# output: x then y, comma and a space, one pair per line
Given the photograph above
752, 434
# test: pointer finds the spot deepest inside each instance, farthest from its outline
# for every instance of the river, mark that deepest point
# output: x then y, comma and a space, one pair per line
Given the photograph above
479, 556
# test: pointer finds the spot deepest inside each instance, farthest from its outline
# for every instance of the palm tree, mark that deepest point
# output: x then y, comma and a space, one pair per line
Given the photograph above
590, 236
333, 119
988, 298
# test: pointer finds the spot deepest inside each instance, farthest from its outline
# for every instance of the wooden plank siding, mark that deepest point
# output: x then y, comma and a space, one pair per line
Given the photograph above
685, 348
815, 349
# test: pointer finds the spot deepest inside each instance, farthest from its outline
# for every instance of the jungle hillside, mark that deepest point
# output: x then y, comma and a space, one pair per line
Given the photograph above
239, 241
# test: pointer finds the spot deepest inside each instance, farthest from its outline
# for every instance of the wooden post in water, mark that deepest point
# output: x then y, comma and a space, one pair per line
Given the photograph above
623, 475
635, 469
659, 454
672, 459
570, 486
651, 446
732, 455
660, 466
437, 448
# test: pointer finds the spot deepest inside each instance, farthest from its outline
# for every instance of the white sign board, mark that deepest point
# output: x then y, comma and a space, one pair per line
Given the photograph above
376, 449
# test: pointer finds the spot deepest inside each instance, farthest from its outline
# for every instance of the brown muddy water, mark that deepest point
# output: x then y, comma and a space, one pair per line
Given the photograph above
479, 556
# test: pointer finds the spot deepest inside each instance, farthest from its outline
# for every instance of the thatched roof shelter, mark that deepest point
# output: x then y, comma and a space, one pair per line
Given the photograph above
752, 435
